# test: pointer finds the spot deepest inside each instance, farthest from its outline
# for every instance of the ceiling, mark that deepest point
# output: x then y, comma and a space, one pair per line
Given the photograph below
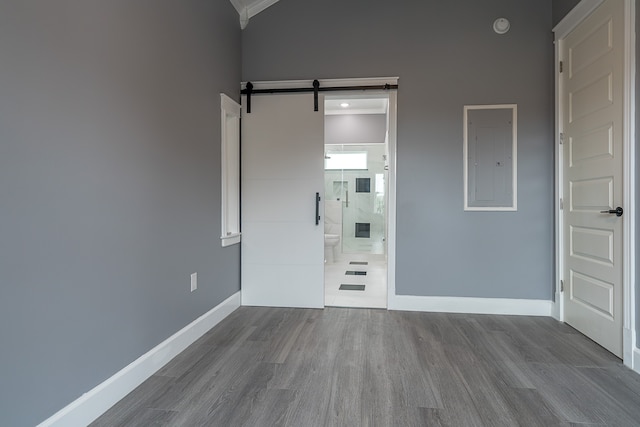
249, 8
355, 105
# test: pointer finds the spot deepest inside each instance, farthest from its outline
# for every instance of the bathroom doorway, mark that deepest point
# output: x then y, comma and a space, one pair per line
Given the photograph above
356, 200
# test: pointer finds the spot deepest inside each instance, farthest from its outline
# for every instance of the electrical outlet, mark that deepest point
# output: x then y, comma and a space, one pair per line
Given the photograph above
194, 281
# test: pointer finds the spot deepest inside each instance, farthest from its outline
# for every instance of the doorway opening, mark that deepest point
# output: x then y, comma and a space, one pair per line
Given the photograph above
356, 200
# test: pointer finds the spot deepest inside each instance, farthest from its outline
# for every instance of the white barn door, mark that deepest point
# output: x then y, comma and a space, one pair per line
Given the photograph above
592, 77
282, 170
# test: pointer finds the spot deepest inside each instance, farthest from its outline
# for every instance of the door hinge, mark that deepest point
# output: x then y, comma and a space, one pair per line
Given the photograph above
561, 204
561, 66
561, 286
561, 138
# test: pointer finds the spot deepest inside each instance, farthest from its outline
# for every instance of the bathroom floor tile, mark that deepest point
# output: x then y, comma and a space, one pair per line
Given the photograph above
374, 294
347, 287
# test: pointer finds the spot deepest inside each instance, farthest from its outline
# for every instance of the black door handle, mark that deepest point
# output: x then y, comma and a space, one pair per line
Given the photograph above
617, 211
317, 208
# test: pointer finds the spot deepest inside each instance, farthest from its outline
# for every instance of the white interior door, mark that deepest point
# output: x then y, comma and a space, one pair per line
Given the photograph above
282, 170
592, 109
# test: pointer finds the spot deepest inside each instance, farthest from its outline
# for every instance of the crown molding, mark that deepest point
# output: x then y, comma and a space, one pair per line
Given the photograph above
250, 8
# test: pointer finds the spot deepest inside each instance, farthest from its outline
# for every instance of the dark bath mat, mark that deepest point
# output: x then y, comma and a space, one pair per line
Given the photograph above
356, 273
352, 287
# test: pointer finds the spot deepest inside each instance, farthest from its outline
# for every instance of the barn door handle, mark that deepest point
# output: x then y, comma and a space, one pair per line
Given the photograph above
317, 208
617, 211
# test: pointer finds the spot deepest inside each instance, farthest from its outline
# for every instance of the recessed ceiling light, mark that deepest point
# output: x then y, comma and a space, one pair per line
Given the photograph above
344, 104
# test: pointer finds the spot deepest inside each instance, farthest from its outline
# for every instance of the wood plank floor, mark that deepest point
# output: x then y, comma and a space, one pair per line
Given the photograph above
367, 367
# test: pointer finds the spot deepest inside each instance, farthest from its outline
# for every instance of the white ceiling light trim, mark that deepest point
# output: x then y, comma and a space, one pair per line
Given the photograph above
250, 8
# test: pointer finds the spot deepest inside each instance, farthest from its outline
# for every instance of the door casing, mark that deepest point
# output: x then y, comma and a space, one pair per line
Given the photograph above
575, 17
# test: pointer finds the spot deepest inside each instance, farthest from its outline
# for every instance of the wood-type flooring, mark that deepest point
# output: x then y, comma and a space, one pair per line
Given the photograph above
366, 367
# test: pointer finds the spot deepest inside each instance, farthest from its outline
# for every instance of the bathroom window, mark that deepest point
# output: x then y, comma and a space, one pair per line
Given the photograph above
353, 160
490, 157
230, 166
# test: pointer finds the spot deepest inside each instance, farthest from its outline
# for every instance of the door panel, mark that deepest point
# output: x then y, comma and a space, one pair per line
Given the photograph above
593, 245
593, 294
593, 105
265, 204
592, 145
282, 169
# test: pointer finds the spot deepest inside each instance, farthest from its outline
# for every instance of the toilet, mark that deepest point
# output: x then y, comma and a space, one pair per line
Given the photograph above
331, 242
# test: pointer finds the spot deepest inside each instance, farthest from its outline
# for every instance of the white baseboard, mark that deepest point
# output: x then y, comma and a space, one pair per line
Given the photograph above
636, 360
521, 307
555, 308
95, 402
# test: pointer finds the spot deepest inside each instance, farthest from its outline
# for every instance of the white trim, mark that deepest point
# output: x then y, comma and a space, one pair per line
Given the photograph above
575, 17
95, 402
636, 360
247, 11
259, 6
558, 304
391, 217
514, 155
238, 5
629, 186
519, 307
230, 112
299, 84
253, 8
230, 105
354, 112
232, 239
244, 18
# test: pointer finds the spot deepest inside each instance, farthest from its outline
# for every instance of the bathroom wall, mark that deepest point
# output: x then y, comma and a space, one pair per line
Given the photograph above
355, 128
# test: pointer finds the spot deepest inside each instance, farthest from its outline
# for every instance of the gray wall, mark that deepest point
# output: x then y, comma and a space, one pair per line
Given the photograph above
355, 129
446, 56
561, 8
109, 187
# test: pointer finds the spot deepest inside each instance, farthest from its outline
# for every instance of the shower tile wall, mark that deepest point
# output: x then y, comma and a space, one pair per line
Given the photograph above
364, 207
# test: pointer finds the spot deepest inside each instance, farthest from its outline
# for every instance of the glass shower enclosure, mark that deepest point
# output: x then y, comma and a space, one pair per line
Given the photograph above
355, 195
